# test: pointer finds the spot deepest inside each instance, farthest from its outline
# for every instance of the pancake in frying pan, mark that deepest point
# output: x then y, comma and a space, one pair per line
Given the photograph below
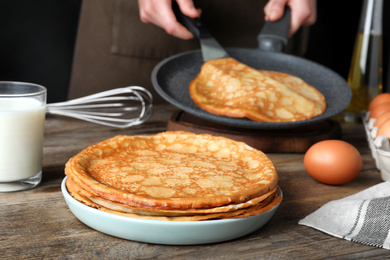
229, 88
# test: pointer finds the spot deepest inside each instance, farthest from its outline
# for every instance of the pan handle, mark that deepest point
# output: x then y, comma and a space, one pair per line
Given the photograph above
194, 25
273, 36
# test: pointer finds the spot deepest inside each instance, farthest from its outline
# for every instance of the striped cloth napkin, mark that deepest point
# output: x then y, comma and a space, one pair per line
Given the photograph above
363, 217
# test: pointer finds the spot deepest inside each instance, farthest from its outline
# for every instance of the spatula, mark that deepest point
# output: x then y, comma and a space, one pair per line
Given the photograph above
211, 49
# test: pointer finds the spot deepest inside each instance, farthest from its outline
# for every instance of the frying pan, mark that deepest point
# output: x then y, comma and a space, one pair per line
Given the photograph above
172, 76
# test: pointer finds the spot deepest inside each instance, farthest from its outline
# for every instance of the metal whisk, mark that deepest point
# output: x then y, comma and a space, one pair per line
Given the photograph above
121, 107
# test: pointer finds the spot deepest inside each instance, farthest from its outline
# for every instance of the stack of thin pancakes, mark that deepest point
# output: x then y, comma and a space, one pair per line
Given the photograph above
175, 176
230, 88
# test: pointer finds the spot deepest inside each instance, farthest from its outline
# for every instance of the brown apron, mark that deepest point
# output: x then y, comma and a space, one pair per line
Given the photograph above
115, 49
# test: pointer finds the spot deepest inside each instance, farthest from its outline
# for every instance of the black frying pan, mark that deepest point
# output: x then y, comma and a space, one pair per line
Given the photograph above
172, 76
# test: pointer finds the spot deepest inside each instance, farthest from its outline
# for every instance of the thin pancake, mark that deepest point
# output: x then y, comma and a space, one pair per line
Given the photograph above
229, 88
88, 197
173, 170
261, 207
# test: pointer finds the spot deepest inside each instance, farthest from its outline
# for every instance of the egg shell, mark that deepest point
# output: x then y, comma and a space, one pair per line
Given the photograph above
333, 162
379, 109
381, 98
382, 118
384, 129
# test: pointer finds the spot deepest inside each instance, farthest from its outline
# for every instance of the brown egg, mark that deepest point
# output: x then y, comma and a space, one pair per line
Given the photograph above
379, 109
382, 118
381, 98
333, 162
384, 129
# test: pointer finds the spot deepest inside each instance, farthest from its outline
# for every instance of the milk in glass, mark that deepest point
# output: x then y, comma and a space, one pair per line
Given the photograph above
21, 138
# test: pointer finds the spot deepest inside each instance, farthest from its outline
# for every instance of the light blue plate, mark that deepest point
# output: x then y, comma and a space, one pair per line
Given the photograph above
166, 232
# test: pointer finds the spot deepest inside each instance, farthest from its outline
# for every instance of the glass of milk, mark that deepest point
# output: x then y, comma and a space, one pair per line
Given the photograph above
22, 116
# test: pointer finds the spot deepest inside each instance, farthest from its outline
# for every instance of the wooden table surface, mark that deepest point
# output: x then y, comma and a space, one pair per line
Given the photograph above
37, 224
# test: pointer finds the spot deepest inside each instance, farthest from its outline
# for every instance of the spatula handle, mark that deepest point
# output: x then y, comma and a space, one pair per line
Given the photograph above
274, 35
194, 25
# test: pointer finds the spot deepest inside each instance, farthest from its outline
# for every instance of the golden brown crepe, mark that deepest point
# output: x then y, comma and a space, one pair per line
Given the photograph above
101, 202
175, 175
270, 201
229, 88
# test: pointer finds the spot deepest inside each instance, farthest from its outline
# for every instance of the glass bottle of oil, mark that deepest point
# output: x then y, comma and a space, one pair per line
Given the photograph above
365, 74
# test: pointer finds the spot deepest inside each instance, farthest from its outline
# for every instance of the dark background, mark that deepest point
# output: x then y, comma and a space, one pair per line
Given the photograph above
37, 43
38, 37
332, 37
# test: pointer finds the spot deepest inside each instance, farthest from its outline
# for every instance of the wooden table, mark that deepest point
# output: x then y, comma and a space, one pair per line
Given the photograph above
37, 224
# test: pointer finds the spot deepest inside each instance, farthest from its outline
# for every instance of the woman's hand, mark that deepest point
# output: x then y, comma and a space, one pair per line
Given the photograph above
159, 12
303, 12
